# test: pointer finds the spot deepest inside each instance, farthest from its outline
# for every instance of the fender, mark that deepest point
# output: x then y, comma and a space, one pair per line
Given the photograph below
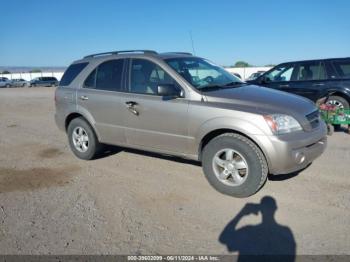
245, 127
340, 90
89, 118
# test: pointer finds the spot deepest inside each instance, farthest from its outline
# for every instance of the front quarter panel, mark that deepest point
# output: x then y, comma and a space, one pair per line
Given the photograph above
206, 117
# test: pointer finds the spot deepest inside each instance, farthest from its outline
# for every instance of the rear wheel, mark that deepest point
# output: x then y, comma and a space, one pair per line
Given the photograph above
338, 101
234, 165
82, 139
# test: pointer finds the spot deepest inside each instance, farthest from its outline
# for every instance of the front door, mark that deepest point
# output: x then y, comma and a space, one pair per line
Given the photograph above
309, 79
153, 121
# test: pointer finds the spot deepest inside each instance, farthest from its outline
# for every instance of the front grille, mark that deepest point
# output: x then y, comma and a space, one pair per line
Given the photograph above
314, 119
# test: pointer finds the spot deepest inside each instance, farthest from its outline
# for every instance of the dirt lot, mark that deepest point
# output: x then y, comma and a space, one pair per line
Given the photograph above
131, 202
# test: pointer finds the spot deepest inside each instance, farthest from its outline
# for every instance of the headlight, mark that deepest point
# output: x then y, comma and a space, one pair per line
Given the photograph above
282, 124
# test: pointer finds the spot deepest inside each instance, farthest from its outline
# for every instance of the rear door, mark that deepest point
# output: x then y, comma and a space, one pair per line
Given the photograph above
99, 99
154, 122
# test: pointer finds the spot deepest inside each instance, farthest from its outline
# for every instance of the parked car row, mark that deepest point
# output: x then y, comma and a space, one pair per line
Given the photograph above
19, 82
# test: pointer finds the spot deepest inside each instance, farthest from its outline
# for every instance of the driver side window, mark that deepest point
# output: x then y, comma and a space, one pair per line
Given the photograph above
145, 77
281, 74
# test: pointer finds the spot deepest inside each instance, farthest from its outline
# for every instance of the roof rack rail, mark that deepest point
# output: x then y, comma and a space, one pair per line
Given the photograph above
180, 53
121, 52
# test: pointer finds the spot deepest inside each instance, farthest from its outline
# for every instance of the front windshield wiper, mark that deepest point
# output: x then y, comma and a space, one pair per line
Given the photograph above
235, 83
216, 86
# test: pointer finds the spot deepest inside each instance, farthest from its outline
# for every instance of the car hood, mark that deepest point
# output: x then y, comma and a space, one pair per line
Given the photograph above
262, 100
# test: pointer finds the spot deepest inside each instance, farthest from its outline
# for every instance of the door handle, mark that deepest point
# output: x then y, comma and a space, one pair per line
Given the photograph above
130, 105
284, 85
318, 84
84, 98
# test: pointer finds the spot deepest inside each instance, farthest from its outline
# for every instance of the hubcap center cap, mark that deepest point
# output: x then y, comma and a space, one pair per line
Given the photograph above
230, 167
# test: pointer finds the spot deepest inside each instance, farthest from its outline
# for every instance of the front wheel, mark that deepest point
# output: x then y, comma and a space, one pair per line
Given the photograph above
82, 139
234, 165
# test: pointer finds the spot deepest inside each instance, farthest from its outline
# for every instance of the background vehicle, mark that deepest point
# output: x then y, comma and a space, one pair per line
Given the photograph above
255, 75
19, 82
237, 75
44, 81
5, 82
312, 79
178, 104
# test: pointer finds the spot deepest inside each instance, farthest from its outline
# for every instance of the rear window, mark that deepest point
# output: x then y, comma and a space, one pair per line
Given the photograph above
71, 73
342, 68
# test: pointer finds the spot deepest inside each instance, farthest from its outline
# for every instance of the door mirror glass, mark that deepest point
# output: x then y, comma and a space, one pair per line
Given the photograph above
169, 90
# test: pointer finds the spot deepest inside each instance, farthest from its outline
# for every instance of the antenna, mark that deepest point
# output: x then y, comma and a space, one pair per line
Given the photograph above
194, 52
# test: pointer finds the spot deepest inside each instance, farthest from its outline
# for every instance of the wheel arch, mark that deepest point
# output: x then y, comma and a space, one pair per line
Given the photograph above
217, 132
342, 93
74, 115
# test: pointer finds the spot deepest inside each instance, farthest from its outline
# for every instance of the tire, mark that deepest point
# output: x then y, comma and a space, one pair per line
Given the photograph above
7, 86
93, 145
338, 100
248, 152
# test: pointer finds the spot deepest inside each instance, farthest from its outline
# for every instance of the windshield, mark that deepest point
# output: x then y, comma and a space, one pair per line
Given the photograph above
203, 74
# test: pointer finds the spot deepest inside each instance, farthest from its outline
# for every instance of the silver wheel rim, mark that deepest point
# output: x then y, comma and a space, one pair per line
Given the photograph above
80, 139
230, 167
336, 103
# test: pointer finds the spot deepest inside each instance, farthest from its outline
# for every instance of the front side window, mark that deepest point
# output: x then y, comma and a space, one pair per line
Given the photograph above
202, 74
310, 71
145, 77
281, 73
342, 68
107, 76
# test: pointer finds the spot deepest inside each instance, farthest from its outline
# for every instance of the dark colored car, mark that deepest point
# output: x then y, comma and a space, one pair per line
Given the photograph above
44, 81
312, 79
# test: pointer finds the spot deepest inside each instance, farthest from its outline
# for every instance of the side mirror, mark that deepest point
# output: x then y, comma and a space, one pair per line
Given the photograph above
169, 90
263, 79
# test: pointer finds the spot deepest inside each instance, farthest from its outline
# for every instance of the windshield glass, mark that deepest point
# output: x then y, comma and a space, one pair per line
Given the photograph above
203, 74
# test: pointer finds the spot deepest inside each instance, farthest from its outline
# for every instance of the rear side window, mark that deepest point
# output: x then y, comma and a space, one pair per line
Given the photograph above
107, 76
342, 68
71, 73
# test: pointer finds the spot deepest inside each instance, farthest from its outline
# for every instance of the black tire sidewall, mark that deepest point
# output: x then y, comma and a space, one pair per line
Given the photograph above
93, 142
255, 168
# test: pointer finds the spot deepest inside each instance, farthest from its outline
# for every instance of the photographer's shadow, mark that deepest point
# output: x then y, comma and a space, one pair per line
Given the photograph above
269, 238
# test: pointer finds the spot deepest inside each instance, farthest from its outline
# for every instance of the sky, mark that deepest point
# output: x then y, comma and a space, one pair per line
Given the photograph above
55, 33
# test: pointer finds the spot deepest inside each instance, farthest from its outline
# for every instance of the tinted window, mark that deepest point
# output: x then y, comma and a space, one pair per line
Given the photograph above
343, 68
107, 76
90, 81
310, 71
71, 73
281, 73
146, 76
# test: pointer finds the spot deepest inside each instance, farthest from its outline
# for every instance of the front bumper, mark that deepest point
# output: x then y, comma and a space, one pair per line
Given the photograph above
292, 152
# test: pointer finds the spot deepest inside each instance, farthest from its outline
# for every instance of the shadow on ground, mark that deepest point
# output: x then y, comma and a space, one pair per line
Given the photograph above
270, 240
112, 150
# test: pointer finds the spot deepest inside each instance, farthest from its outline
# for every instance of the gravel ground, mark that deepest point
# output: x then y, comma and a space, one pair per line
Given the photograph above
132, 202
